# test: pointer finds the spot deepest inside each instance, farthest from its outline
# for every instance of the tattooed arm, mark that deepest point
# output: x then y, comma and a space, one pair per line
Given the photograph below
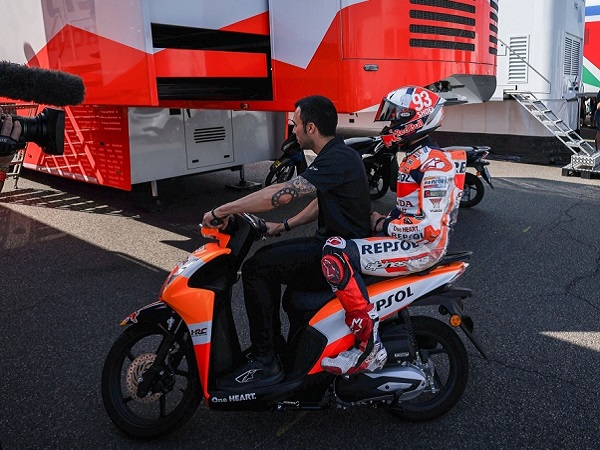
266, 199
307, 215
292, 190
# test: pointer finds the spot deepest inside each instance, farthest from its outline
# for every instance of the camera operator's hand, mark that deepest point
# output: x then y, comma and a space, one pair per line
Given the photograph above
9, 137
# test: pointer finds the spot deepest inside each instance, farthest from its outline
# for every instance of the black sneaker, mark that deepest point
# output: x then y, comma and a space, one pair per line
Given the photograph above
280, 346
254, 373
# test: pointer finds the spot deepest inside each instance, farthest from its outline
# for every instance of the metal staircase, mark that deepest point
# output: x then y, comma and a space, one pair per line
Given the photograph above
23, 110
585, 159
15, 167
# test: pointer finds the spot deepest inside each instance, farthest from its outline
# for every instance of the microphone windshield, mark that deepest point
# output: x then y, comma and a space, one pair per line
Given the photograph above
43, 86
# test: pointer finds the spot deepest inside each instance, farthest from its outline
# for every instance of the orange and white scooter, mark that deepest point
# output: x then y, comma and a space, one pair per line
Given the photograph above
173, 351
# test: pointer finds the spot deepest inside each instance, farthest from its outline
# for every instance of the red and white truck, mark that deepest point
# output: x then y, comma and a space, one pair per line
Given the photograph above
176, 88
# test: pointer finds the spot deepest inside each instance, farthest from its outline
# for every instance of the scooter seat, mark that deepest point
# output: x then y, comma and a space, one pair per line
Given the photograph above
305, 301
446, 259
313, 300
454, 257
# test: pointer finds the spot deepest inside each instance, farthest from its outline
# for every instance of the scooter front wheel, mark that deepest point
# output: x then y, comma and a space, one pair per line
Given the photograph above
472, 192
175, 390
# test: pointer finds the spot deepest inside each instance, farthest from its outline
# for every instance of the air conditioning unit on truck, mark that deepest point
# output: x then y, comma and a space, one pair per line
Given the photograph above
177, 88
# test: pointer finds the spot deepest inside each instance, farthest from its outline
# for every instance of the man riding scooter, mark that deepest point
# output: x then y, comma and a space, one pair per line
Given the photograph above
342, 208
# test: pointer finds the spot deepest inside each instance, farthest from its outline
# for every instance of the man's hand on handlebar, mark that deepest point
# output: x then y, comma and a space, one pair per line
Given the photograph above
274, 229
211, 220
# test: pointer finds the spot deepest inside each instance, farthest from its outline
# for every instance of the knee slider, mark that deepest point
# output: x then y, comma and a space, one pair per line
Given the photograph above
336, 270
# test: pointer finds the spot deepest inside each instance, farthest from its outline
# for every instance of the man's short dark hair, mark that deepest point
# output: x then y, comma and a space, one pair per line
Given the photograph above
320, 111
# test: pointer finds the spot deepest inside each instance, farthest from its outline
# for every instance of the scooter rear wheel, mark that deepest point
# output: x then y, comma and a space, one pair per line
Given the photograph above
472, 192
175, 394
447, 352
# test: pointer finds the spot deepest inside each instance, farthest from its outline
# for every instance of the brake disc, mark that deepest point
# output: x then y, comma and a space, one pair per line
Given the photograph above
134, 372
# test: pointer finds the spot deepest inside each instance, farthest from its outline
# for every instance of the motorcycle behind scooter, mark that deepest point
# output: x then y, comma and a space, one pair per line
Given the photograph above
173, 352
381, 164
473, 189
292, 161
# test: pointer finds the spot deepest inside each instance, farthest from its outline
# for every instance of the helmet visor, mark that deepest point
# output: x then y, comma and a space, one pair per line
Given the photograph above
387, 111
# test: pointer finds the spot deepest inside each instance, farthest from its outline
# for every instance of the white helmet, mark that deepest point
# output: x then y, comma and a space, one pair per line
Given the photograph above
414, 113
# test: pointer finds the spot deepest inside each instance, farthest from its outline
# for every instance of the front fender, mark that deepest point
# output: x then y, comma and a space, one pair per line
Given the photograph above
157, 313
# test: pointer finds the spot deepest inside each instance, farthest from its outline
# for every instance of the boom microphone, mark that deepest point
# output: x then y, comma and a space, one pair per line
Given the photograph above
43, 86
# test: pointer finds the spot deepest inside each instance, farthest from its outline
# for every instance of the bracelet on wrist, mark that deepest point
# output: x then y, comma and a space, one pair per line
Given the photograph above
212, 211
377, 222
216, 221
286, 225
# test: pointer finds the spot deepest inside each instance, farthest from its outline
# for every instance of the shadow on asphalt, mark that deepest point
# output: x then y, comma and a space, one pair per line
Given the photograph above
536, 307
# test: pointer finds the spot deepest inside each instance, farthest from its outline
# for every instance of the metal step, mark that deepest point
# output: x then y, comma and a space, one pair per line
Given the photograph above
24, 110
15, 167
585, 157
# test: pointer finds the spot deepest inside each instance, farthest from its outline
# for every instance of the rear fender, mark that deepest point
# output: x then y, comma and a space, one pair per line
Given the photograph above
485, 174
450, 302
451, 299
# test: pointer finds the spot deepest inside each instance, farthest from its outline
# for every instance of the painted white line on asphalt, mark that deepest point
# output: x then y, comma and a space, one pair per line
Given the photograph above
585, 339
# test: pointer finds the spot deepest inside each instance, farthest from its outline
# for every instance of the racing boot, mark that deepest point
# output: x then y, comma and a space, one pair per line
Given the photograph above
369, 355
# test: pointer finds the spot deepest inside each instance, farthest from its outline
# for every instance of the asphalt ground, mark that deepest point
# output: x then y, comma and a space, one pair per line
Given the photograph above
75, 259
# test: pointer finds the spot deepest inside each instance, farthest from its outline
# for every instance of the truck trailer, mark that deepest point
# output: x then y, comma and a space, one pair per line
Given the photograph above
192, 86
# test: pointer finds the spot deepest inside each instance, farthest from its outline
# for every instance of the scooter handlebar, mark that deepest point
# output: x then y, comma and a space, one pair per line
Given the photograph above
258, 223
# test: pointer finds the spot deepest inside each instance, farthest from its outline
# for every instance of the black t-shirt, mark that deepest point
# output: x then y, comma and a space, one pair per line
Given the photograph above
339, 175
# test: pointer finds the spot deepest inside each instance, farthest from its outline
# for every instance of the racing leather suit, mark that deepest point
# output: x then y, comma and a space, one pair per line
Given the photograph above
415, 232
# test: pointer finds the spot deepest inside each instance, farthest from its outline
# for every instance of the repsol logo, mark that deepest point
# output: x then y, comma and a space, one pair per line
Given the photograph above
386, 246
397, 297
